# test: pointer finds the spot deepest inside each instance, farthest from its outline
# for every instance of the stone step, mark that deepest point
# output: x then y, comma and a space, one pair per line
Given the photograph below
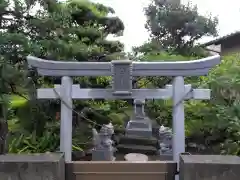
139, 132
127, 148
132, 139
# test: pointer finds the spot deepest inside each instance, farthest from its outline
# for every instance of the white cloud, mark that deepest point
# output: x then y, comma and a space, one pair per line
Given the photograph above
131, 13
228, 13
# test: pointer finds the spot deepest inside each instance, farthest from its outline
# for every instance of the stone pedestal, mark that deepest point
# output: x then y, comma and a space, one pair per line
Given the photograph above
141, 128
32, 166
209, 167
138, 136
103, 155
166, 154
103, 144
165, 143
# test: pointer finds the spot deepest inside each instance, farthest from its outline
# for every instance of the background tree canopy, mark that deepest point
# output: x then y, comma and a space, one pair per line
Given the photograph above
177, 27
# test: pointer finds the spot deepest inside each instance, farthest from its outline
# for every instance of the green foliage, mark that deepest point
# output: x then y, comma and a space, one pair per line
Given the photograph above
177, 27
163, 56
161, 110
73, 30
224, 106
34, 144
212, 124
117, 119
17, 101
160, 56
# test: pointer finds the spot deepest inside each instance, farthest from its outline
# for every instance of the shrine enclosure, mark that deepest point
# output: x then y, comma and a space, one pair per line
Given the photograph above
122, 72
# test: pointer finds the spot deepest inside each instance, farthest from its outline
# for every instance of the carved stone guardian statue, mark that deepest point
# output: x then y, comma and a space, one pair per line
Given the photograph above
103, 144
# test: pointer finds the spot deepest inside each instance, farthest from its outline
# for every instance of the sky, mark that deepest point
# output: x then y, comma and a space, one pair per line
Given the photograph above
131, 13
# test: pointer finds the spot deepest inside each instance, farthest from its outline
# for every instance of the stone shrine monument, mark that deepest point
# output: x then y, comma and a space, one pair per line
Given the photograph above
139, 125
138, 136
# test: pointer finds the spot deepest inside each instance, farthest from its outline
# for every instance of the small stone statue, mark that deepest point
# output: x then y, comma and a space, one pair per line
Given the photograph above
165, 135
105, 135
110, 127
165, 143
103, 144
165, 132
103, 138
96, 139
164, 129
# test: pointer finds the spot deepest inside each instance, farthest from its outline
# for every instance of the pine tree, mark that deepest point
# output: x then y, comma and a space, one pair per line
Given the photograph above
75, 30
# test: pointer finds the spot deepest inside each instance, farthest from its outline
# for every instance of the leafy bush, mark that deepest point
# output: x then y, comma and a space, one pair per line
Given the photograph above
17, 101
218, 120
34, 144
117, 119
214, 123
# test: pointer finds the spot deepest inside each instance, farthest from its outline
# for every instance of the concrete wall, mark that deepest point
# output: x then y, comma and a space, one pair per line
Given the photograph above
53, 167
120, 170
209, 167
32, 167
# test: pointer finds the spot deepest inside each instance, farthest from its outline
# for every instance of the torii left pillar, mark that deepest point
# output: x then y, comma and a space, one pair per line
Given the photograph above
66, 115
66, 122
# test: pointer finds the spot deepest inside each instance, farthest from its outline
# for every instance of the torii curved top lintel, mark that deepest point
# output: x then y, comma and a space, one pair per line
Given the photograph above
165, 68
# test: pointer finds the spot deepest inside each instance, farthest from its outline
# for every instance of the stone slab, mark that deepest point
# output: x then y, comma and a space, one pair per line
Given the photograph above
139, 124
137, 140
209, 167
32, 167
139, 132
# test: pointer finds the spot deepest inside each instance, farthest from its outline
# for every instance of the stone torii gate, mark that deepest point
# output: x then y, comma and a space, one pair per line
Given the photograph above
122, 72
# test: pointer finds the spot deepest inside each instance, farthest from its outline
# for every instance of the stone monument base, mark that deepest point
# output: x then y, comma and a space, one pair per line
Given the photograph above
141, 128
102, 155
137, 144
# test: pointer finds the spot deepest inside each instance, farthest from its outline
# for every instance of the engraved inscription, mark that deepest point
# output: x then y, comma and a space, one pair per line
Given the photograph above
122, 83
122, 71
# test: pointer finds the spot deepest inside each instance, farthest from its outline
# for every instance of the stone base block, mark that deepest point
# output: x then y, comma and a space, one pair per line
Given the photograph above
103, 155
138, 140
209, 167
32, 166
139, 128
139, 132
132, 148
166, 157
